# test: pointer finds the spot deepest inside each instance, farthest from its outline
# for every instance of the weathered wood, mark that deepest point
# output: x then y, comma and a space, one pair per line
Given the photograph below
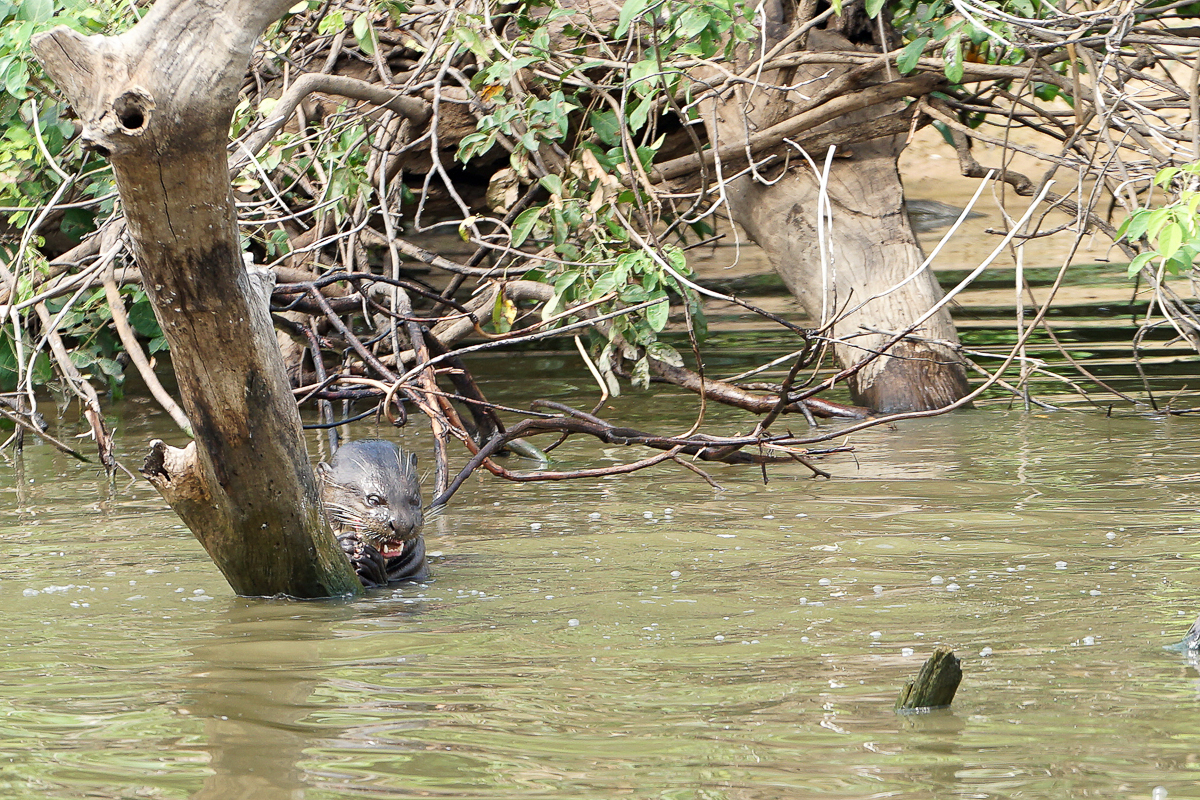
869, 284
935, 684
157, 101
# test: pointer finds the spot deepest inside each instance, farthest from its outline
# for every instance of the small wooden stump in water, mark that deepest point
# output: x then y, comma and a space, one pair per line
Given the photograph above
935, 685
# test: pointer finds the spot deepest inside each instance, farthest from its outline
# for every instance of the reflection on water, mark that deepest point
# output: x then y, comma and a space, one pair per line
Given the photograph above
639, 636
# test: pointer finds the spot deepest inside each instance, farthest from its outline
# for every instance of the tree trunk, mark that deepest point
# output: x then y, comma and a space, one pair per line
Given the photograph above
871, 247
157, 101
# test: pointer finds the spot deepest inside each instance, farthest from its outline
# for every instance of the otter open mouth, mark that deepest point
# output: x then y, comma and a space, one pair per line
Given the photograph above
392, 549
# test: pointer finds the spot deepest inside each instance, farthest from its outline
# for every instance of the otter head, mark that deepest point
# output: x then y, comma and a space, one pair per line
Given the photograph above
371, 487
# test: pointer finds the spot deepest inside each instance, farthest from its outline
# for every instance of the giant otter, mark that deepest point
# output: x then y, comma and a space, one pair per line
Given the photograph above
372, 496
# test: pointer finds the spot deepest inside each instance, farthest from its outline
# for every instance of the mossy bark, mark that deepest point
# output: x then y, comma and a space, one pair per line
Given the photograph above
157, 101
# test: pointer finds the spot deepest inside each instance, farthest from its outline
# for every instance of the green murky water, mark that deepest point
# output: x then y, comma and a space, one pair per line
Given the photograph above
639, 636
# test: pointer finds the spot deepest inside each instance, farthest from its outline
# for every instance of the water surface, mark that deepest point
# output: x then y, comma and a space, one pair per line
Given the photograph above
641, 636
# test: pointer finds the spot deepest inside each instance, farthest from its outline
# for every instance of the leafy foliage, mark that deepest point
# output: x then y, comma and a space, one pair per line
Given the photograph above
29, 133
940, 25
605, 133
1172, 230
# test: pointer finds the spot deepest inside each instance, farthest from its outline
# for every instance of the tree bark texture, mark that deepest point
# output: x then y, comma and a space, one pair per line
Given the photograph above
157, 101
871, 247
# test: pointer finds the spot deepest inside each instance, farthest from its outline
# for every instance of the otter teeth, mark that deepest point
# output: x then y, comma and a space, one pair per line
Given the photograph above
391, 550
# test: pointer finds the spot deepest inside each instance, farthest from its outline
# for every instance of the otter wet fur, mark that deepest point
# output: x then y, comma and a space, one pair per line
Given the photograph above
372, 496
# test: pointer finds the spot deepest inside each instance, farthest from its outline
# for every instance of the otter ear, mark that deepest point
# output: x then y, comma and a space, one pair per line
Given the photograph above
323, 469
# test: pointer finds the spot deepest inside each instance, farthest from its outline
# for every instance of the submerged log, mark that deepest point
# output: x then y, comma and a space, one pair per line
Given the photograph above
935, 685
157, 101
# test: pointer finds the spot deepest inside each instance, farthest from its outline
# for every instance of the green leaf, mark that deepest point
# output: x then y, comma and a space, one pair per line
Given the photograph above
607, 127
1182, 261
16, 79
663, 352
142, 320
658, 314
499, 320
365, 34
640, 76
36, 11
603, 285
694, 20
566, 280
907, 60
1163, 178
640, 113
110, 367
954, 58
1045, 91
331, 23
1169, 239
640, 376
1135, 226
474, 144
552, 184
873, 8
1139, 261
630, 10
523, 225
1158, 218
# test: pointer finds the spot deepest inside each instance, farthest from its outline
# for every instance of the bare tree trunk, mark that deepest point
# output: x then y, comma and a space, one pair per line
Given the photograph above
871, 248
157, 101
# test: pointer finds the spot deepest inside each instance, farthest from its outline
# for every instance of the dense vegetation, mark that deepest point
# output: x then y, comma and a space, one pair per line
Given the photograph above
568, 151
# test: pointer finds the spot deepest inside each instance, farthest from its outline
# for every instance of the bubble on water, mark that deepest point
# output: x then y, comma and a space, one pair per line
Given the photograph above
675, 573
798, 516
1060, 565
954, 587
769, 516
877, 589
876, 634
1159, 793
111, 574
1094, 592
648, 514
30, 592
804, 639
937, 580
726, 535
574, 623
825, 582
1110, 535
668, 511
594, 515
1088, 641
906, 651
719, 638
536, 526
985, 652
198, 592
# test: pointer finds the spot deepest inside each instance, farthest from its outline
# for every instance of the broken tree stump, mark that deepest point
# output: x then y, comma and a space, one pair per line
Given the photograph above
935, 684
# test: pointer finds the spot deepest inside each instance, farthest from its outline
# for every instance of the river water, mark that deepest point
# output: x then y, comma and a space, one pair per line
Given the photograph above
642, 636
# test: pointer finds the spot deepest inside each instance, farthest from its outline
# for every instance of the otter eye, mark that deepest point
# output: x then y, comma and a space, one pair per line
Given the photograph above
375, 500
